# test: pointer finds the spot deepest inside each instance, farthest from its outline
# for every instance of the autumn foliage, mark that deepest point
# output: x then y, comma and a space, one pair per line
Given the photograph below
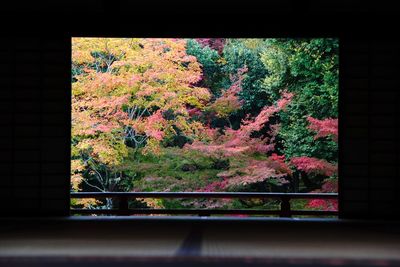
323, 128
314, 166
143, 118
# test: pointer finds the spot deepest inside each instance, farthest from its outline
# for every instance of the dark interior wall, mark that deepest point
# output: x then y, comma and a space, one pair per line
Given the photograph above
35, 86
34, 133
369, 120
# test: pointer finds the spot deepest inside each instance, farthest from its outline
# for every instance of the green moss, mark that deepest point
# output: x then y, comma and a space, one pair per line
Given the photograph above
174, 170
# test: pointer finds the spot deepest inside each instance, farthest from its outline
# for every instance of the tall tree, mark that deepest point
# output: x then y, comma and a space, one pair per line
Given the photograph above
128, 93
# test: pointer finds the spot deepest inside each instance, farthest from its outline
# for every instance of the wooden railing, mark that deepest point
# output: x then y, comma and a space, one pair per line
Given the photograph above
124, 197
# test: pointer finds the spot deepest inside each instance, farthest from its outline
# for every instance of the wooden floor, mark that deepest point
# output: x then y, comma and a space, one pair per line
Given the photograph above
175, 241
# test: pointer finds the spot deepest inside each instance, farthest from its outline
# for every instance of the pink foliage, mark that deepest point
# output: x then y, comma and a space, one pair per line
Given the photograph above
263, 117
214, 43
229, 101
331, 205
314, 165
154, 125
285, 100
255, 171
209, 133
194, 112
215, 186
101, 114
323, 128
279, 163
234, 142
277, 158
326, 127
329, 186
104, 128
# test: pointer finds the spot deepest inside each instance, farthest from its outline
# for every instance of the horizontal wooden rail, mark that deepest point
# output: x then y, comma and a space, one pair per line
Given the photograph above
204, 195
284, 211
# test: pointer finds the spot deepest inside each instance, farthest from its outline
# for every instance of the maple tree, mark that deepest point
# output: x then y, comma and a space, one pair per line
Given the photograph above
309, 165
121, 93
240, 143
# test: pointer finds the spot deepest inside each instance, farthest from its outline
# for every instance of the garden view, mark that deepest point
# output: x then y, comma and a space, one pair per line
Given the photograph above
205, 115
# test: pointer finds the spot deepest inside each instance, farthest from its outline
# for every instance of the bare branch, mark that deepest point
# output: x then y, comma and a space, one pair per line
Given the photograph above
94, 186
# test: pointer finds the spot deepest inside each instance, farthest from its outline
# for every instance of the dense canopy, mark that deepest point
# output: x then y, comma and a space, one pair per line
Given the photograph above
209, 114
